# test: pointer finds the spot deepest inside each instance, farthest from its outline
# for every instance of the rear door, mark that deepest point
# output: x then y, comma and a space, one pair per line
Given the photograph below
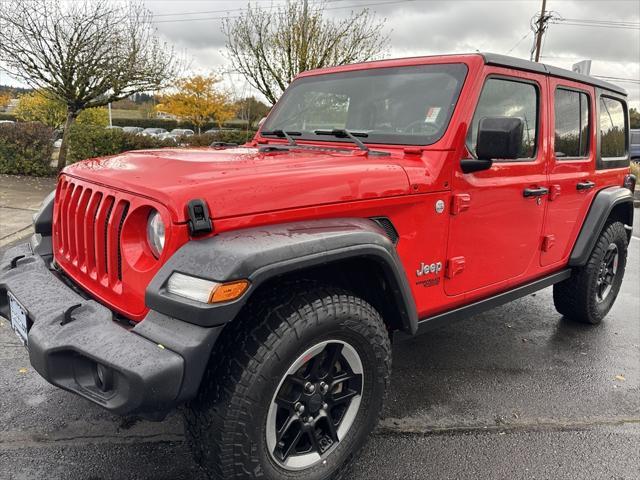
571, 167
495, 236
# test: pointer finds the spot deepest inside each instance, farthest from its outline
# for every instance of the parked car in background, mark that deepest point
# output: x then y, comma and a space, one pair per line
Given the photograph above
176, 134
634, 144
134, 130
212, 131
113, 127
153, 132
7, 121
181, 132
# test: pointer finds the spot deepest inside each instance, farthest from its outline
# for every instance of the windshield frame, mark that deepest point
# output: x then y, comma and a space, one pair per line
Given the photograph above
391, 139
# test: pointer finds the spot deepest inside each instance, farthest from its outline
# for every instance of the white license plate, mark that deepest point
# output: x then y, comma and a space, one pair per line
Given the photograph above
18, 319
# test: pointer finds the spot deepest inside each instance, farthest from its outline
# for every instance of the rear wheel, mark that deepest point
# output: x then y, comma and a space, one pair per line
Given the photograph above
295, 389
588, 295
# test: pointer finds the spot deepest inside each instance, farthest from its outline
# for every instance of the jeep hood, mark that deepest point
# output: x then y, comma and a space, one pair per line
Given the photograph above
241, 181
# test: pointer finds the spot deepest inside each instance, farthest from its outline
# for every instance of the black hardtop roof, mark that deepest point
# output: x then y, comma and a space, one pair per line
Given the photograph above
520, 64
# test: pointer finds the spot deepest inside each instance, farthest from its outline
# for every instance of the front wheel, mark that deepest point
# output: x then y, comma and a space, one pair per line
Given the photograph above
295, 389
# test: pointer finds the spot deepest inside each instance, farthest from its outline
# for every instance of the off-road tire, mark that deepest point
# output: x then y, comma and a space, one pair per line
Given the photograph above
576, 297
226, 423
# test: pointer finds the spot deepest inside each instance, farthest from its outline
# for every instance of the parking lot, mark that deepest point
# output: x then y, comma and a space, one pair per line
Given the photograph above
514, 393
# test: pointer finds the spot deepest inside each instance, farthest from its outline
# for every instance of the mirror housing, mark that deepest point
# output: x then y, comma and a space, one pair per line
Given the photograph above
499, 137
470, 165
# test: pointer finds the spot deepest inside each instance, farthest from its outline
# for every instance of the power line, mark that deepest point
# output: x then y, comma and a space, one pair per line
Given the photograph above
614, 27
203, 12
372, 4
614, 22
518, 43
618, 79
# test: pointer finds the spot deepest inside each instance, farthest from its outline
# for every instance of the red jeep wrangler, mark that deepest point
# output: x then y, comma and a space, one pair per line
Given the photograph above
259, 286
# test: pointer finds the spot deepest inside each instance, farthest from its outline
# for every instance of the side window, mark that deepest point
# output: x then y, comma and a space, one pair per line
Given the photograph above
612, 128
571, 123
508, 98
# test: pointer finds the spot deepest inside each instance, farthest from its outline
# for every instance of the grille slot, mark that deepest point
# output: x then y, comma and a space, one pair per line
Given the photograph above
106, 235
124, 215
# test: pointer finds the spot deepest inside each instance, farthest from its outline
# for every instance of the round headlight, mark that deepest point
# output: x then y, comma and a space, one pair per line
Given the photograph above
155, 233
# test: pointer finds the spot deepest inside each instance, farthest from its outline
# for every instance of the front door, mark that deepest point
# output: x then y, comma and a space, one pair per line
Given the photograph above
495, 229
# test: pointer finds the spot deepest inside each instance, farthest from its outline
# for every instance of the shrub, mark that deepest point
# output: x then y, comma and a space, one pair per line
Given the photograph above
88, 141
171, 124
7, 116
26, 149
146, 123
227, 136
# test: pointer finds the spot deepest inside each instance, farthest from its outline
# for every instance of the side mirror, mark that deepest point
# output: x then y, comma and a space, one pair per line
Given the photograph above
498, 137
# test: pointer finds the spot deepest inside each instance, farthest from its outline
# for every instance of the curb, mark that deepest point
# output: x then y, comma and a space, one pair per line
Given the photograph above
18, 235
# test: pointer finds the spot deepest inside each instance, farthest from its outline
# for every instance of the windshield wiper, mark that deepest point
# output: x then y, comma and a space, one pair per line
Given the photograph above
283, 134
344, 133
353, 136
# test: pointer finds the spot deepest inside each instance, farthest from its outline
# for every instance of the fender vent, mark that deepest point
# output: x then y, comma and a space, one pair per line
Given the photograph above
389, 230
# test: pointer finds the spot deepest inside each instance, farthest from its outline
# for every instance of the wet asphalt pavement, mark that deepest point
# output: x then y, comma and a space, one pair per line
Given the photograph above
514, 393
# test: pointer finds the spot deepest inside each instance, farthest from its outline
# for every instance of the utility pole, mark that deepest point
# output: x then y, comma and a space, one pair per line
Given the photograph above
540, 30
304, 46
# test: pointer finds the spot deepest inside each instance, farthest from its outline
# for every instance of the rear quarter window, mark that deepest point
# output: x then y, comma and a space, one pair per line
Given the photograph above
612, 128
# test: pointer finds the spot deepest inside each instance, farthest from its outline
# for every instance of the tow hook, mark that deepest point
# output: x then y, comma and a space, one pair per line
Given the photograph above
67, 314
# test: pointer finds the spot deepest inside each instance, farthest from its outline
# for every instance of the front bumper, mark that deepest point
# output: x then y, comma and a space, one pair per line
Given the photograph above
150, 368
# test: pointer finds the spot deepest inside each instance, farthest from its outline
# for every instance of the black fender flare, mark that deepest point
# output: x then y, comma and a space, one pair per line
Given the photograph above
262, 253
601, 207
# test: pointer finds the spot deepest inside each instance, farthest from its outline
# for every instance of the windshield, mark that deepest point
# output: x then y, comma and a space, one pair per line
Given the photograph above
404, 105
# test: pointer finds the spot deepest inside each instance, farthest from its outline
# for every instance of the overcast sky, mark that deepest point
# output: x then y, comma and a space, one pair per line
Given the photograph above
427, 27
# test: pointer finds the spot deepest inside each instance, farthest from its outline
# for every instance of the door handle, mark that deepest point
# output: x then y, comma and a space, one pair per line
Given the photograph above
535, 192
585, 185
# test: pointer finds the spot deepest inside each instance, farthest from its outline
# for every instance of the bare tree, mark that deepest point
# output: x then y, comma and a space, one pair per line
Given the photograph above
83, 53
270, 49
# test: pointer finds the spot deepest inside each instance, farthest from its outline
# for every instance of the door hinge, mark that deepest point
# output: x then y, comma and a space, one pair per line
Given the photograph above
455, 266
554, 192
547, 242
460, 202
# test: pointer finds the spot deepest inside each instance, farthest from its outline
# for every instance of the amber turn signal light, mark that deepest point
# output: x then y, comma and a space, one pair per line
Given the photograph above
229, 291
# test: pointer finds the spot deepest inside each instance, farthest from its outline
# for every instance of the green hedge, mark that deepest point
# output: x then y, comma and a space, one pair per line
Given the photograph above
227, 136
171, 124
26, 149
89, 141
156, 123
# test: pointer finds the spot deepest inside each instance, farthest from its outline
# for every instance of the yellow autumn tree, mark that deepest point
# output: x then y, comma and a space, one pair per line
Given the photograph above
5, 98
198, 100
39, 107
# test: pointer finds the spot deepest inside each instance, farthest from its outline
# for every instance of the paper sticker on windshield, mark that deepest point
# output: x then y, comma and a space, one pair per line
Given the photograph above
432, 114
